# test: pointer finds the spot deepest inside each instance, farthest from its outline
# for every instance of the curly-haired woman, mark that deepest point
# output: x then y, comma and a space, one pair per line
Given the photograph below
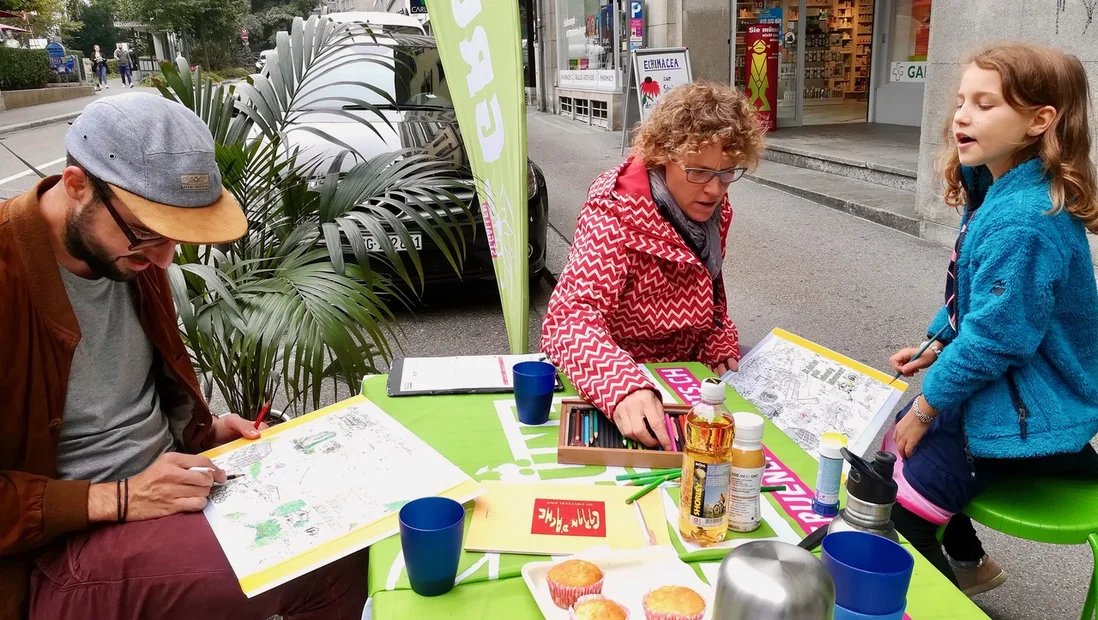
643, 280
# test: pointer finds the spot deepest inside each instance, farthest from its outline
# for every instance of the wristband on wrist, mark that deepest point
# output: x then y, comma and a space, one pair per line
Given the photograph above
937, 350
919, 415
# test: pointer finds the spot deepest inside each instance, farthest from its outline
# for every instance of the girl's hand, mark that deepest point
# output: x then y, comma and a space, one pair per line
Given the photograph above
902, 363
910, 431
729, 364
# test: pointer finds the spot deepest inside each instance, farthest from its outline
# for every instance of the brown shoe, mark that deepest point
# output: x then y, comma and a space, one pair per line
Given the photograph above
987, 575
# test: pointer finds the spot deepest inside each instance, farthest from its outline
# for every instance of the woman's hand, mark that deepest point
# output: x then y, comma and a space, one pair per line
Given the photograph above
634, 410
729, 364
902, 363
909, 430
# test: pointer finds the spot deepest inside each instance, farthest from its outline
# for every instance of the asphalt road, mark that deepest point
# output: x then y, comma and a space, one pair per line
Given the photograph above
856, 287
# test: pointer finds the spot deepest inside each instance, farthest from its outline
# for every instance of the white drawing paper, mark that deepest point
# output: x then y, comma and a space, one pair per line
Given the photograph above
317, 482
806, 394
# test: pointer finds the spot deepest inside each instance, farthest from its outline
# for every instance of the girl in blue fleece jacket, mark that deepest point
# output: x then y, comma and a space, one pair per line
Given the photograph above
1012, 385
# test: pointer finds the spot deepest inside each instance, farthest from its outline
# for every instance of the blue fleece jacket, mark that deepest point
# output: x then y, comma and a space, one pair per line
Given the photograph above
1027, 310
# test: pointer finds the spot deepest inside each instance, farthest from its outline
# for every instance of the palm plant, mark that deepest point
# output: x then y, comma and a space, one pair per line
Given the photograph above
301, 292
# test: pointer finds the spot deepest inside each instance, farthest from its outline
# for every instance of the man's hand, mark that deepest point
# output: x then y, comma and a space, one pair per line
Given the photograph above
901, 361
167, 487
631, 413
729, 364
231, 427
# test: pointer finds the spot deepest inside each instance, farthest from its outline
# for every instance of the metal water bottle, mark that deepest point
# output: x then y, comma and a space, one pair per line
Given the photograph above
870, 494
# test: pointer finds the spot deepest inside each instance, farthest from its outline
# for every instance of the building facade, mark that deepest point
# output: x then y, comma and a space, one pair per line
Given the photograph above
839, 60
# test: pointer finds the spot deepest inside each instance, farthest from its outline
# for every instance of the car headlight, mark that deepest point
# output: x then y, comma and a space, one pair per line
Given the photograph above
531, 181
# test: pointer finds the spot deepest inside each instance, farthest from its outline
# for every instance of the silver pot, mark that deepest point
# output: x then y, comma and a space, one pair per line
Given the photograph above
771, 580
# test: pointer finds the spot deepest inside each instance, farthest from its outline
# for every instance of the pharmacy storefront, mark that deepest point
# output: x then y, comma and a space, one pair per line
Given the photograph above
593, 42
838, 61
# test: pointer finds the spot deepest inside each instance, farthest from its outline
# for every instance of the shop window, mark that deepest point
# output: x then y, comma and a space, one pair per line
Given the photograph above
599, 115
566, 105
585, 35
910, 39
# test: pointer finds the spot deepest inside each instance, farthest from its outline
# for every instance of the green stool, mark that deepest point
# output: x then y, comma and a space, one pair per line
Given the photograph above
1060, 511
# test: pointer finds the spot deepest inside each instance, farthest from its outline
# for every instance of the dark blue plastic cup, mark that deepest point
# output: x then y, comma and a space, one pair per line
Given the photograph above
842, 613
871, 573
534, 383
430, 534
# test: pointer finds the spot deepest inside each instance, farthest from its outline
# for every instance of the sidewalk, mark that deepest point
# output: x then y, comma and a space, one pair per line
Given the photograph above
59, 111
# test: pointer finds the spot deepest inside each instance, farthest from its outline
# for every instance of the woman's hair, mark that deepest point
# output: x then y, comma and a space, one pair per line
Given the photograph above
1034, 77
692, 116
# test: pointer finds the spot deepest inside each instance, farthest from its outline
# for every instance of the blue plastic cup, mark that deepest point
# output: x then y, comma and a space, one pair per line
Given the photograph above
871, 573
534, 383
842, 613
431, 529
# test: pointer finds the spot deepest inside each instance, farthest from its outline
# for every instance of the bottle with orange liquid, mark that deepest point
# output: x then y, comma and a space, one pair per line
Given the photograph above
706, 462
745, 477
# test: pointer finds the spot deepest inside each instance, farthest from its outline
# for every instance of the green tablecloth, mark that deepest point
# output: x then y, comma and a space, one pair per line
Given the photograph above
480, 434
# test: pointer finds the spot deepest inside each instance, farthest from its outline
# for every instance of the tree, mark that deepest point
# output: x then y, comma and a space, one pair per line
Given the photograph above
206, 21
270, 16
45, 18
98, 26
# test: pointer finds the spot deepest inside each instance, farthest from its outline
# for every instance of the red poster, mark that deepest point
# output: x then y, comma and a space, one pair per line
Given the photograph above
562, 517
761, 83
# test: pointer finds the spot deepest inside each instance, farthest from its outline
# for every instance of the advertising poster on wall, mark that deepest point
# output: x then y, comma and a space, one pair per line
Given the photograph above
761, 41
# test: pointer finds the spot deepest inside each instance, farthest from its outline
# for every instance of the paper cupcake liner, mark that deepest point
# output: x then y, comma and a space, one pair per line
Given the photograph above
594, 597
666, 615
566, 596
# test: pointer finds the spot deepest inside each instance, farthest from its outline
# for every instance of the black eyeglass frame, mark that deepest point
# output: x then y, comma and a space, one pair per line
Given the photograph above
136, 243
727, 176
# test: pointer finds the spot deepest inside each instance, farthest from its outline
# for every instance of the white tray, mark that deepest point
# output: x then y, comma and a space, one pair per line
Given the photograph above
628, 576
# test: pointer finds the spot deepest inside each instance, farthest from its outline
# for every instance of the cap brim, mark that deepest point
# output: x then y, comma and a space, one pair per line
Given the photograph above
220, 222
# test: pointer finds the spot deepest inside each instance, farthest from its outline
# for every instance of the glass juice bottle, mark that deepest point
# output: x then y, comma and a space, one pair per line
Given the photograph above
706, 461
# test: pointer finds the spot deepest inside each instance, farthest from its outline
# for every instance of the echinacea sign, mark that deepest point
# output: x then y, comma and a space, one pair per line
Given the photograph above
656, 71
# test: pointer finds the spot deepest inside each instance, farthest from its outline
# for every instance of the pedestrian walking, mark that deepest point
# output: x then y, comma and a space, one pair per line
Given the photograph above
122, 55
135, 67
99, 66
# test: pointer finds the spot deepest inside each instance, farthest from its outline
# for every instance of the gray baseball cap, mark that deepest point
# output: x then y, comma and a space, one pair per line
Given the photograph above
158, 159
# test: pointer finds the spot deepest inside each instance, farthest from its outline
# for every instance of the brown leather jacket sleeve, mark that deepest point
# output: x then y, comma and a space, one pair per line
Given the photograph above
35, 509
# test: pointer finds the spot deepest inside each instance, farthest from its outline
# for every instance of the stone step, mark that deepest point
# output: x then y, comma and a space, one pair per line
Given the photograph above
882, 204
876, 172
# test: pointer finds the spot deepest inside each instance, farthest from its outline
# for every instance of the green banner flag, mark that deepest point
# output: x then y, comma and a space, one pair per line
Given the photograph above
481, 51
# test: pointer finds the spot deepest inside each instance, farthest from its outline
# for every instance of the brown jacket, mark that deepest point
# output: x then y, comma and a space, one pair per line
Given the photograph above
38, 335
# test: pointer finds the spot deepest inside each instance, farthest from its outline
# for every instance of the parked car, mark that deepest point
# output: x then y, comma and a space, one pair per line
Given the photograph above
262, 60
421, 117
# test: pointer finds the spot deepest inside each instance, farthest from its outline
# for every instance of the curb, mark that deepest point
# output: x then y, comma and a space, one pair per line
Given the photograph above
49, 120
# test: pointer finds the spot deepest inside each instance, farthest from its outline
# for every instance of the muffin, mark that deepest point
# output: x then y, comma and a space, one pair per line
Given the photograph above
572, 579
673, 603
597, 607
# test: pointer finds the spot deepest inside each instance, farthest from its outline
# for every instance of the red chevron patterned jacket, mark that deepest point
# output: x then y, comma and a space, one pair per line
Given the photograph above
632, 292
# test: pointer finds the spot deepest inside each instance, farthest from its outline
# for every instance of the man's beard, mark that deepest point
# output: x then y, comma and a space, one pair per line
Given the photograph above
83, 247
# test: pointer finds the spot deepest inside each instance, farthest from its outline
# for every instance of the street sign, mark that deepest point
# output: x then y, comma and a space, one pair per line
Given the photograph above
244, 34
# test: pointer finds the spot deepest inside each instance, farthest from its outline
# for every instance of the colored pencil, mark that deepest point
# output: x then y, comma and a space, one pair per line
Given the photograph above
639, 482
586, 429
595, 427
780, 487
646, 490
670, 433
649, 474
926, 345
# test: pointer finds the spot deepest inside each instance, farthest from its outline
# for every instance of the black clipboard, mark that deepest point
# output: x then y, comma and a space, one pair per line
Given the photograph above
395, 384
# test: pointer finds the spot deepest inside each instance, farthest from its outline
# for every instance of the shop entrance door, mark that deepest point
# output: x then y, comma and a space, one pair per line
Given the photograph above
791, 57
823, 64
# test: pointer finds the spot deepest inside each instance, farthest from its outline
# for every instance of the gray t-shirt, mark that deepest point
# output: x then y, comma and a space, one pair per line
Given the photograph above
113, 426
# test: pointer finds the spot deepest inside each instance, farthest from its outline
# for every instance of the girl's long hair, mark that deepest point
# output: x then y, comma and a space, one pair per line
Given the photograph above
1034, 77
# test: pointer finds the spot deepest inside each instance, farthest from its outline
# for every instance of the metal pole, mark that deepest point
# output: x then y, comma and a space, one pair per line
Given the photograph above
540, 28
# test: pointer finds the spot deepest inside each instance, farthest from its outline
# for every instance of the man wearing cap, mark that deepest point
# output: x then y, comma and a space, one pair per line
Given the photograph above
102, 417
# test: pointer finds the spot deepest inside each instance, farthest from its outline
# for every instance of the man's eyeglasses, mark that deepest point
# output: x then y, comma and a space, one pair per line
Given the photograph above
144, 242
701, 176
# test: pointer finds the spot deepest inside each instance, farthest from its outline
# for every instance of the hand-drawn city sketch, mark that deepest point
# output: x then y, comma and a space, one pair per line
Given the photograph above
806, 393
318, 481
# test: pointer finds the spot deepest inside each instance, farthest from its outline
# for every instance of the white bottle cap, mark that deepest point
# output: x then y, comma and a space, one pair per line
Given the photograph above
712, 391
831, 444
749, 427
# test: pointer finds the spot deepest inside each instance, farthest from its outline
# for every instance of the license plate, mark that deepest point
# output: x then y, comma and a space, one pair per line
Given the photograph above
373, 246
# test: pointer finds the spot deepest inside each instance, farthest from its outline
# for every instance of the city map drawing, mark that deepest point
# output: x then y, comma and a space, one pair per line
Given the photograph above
319, 488
807, 390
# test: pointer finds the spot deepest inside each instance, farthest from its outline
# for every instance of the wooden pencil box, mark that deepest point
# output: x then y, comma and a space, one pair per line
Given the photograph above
608, 448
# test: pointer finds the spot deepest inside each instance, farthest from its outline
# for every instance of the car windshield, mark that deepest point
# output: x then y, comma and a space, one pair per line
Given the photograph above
406, 68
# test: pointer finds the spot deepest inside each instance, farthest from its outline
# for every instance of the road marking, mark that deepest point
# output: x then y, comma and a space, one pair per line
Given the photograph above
26, 172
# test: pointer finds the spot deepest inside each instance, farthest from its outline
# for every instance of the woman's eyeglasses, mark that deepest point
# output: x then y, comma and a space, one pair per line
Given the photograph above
701, 176
144, 242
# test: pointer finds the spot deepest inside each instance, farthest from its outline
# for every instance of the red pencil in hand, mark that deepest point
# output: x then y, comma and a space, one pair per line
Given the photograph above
262, 414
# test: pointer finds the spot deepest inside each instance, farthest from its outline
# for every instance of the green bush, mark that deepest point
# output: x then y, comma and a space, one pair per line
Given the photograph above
22, 69
234, 73
147, 79
112, 67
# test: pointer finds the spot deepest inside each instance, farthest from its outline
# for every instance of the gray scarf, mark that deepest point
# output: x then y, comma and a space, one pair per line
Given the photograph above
704, 238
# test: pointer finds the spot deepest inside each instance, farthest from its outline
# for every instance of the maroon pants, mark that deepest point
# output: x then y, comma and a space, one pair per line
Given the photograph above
174, 568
